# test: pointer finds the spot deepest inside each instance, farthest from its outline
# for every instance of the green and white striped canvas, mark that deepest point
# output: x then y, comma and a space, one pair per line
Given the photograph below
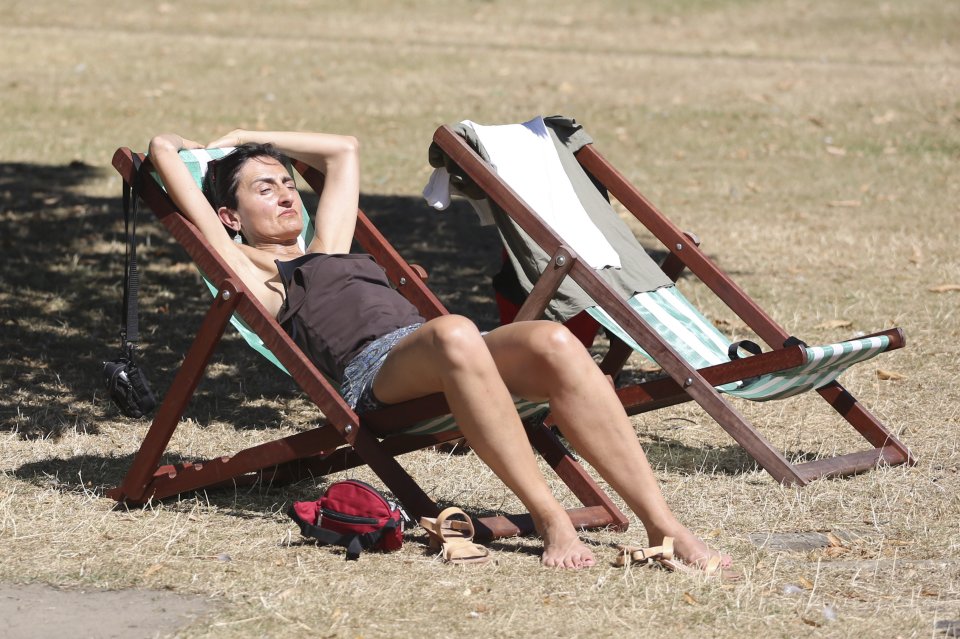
446, 422
197, 161
700, 344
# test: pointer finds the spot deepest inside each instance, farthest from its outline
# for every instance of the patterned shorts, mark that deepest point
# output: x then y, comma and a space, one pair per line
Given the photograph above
357, 386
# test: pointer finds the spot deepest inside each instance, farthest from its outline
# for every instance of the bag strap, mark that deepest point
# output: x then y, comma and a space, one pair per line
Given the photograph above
354, 543
130, 327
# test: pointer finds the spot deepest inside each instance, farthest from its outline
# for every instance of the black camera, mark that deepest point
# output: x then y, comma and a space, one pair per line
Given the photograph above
128, 387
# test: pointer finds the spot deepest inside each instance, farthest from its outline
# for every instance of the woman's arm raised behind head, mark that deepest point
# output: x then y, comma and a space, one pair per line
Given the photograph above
338, 158
186, 195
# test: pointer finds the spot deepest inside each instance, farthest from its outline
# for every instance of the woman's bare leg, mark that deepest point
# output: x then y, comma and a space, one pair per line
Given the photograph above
449, 355
543, 360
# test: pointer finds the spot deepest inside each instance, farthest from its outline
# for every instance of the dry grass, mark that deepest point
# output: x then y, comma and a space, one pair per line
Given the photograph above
813, 147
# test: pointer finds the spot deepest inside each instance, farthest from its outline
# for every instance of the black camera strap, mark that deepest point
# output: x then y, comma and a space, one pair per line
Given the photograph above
125, 381
130, 328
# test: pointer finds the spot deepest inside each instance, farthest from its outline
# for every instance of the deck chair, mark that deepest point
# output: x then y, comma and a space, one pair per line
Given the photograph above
700, 364
346, 440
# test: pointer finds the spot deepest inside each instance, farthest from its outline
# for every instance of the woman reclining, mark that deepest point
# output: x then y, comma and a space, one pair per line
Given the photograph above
381, 350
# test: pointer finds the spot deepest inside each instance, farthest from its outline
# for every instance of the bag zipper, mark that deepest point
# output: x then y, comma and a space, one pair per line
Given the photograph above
406, 521
355, 519
349, 519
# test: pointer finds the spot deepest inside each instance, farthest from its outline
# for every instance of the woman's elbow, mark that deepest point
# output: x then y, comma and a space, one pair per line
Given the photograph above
349, 145
341, 152
161, 143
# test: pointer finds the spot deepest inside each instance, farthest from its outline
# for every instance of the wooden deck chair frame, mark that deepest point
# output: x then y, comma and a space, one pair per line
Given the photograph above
683, 382
346, 440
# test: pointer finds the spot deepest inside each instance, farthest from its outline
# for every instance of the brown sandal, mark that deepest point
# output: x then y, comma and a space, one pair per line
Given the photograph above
453, 538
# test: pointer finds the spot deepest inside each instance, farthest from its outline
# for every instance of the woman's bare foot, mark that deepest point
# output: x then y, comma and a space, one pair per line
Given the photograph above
562, 547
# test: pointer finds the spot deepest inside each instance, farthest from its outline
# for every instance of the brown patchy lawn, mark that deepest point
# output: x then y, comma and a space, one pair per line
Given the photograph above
813, 147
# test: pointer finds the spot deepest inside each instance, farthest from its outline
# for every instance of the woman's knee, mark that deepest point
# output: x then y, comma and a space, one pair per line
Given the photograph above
553, 342
456, 339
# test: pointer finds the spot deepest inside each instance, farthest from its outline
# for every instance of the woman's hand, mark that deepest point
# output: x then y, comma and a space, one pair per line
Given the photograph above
234, 138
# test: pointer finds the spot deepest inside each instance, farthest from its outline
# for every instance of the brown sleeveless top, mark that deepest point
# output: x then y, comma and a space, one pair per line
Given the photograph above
337, 304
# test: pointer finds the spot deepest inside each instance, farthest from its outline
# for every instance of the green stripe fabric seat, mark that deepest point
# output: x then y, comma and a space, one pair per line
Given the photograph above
699, 342
197, 162
446, 422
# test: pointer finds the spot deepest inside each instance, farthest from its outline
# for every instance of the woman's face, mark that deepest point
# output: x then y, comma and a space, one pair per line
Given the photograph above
268, 204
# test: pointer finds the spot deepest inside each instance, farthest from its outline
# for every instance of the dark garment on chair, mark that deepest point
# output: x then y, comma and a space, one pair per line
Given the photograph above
337, 304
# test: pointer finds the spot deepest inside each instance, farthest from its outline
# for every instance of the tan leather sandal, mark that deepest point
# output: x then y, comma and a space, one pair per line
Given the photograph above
662, 555
451, 534
630, 555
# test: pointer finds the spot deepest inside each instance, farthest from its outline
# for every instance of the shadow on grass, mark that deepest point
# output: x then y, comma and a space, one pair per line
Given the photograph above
61, 288
88, 473
61, 295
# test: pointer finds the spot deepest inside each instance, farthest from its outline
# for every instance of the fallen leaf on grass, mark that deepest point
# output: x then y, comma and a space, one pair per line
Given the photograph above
837, 323
944, 288
891, 376
843, 204
898, 542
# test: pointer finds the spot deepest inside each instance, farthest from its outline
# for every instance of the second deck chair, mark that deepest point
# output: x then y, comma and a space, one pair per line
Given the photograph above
658, 321
346, 440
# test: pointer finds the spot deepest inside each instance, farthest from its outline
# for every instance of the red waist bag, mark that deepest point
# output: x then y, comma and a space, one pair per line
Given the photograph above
351, 514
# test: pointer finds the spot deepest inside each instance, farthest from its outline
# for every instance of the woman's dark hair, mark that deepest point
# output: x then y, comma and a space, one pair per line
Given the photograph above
223, 174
